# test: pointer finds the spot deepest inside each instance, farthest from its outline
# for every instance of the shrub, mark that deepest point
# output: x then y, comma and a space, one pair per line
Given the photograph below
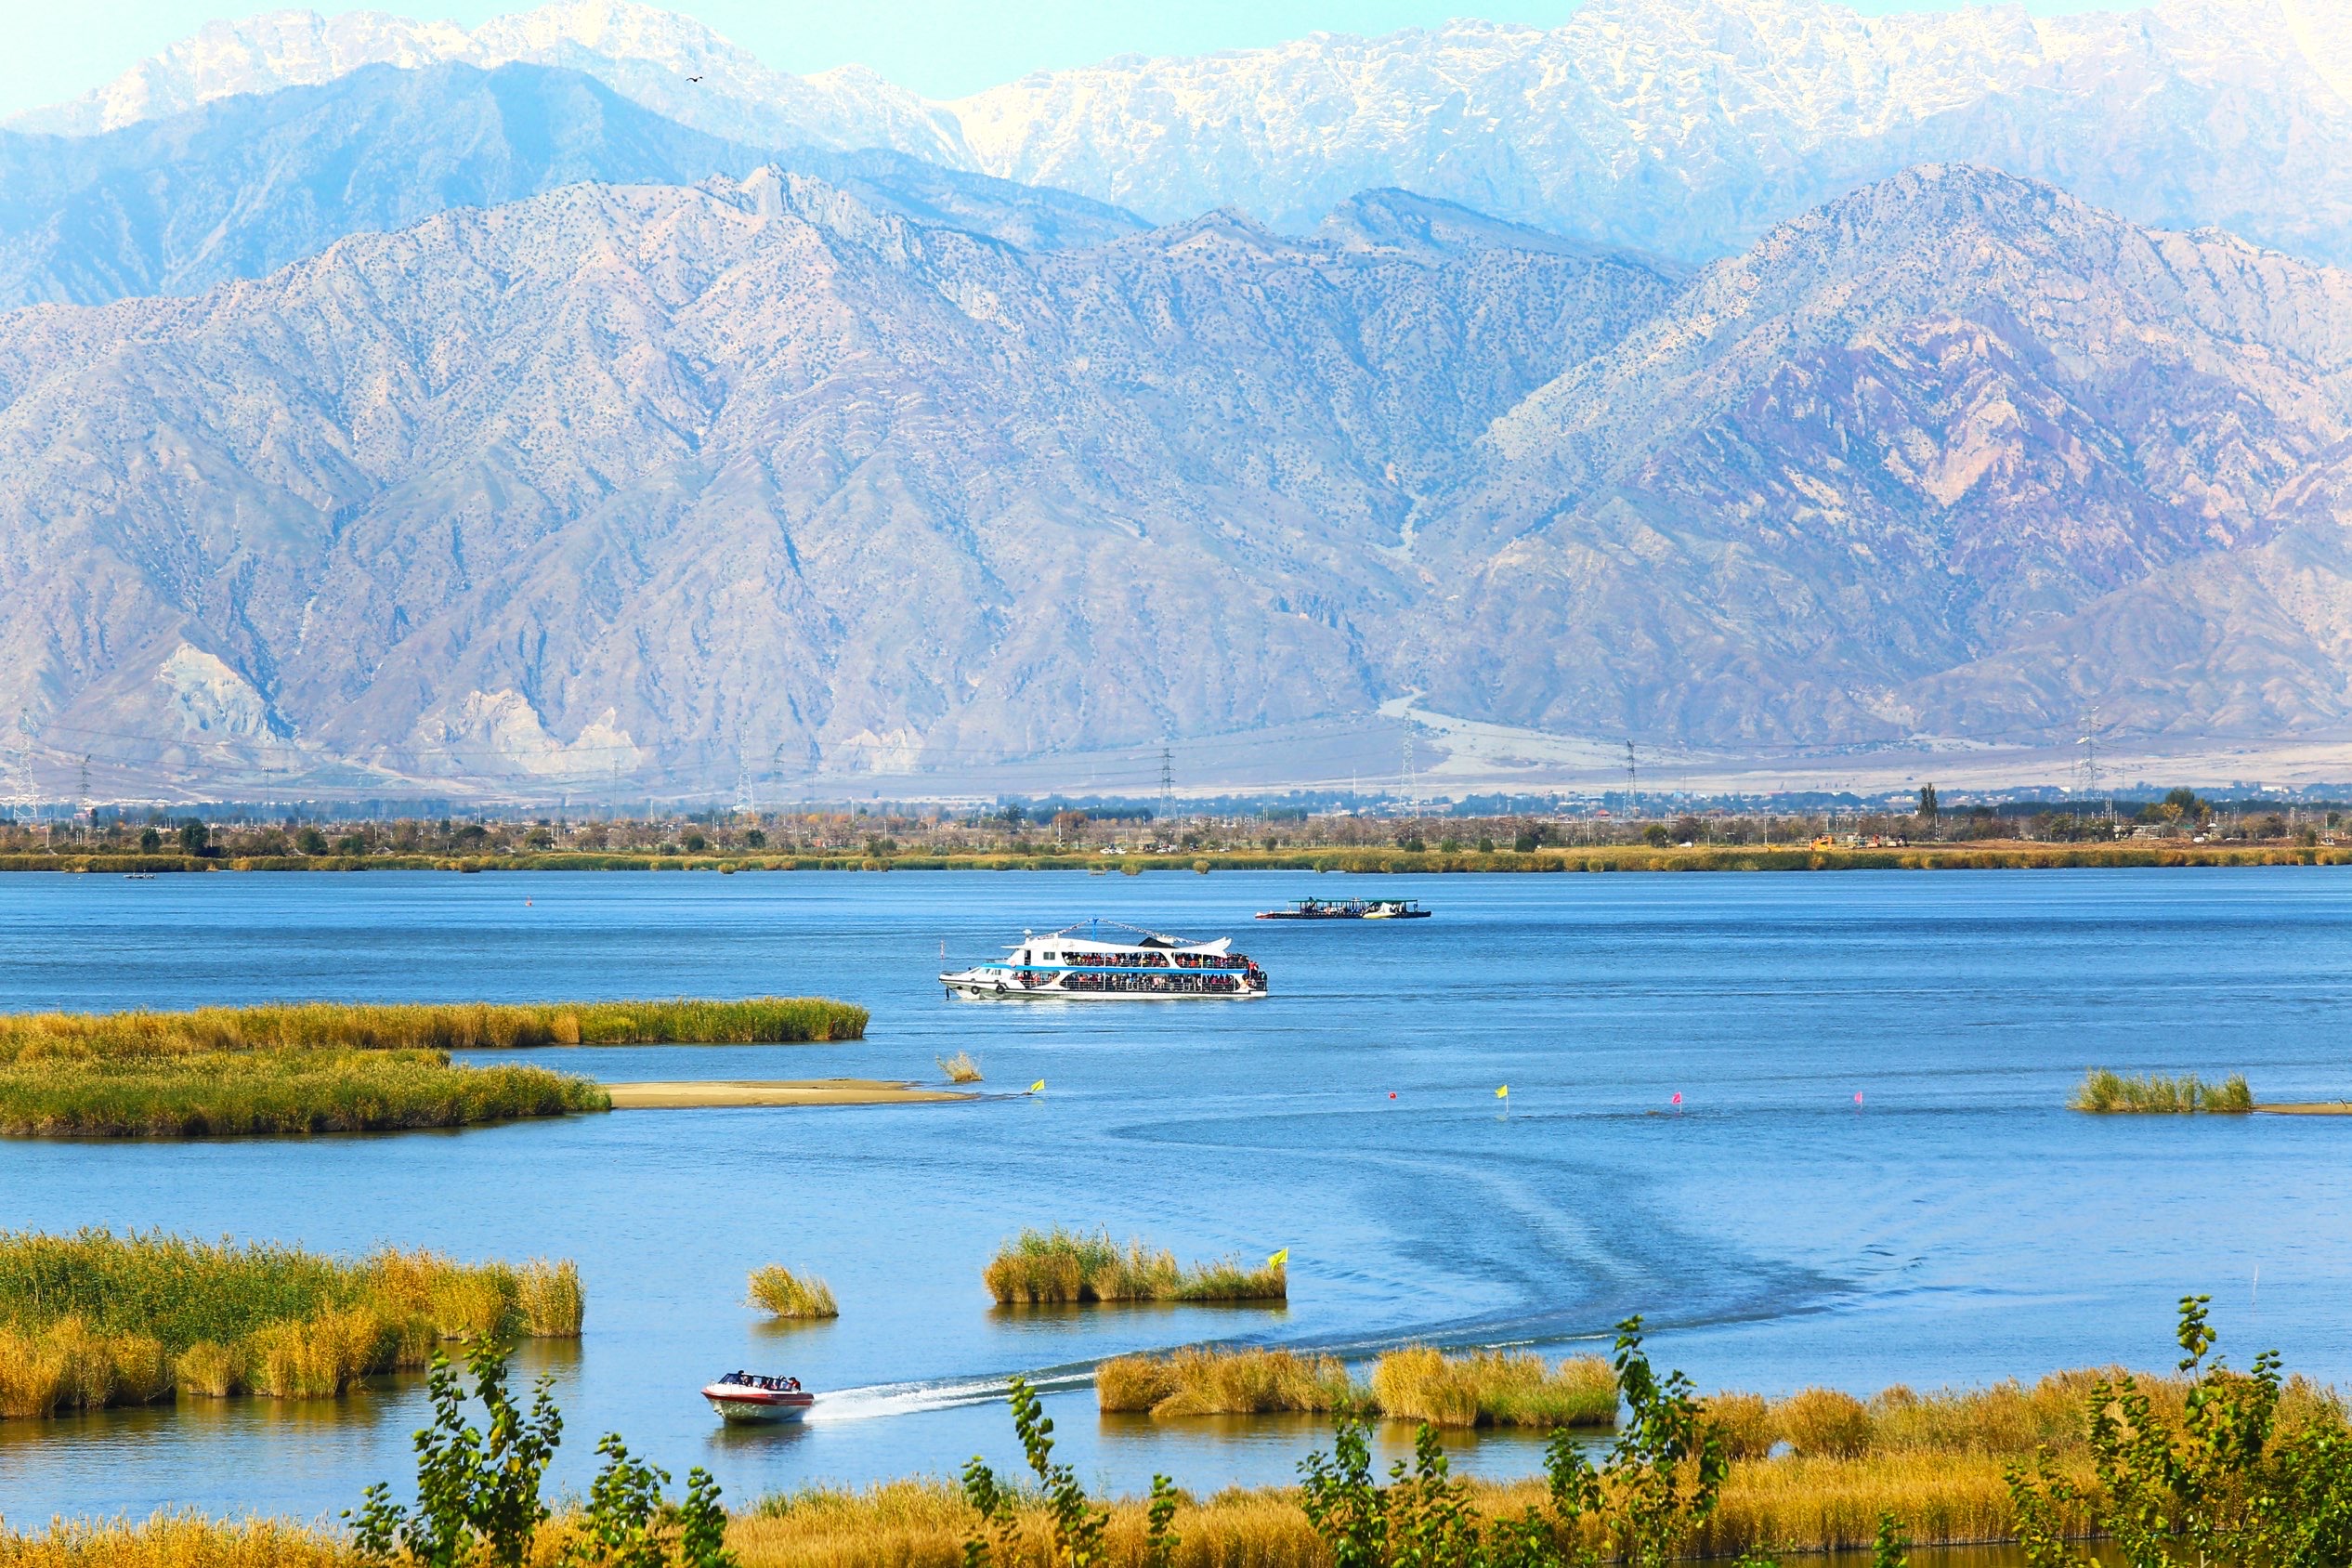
960, 1068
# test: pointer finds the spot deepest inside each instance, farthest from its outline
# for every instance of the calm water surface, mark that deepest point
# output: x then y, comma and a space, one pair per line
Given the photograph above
1955, 1226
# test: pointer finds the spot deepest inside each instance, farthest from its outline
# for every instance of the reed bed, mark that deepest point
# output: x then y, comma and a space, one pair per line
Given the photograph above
2107, 1092
1040, 1267
340, 1067
177, 1540
1493, 1388
787, 1294
220, 1031
94, 1319
2007, 1420
1785, 1504
1417, 1383
961, 1067
1208, 1381
290, 1091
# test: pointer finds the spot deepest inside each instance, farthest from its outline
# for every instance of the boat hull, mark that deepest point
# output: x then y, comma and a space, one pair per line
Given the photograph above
990, 991
757, 1407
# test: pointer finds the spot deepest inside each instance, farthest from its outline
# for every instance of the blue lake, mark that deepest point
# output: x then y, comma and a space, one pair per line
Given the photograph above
1956, 1226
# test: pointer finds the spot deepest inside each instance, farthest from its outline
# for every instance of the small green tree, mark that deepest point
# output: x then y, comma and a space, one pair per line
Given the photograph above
629, 1523
1078, 1524
1667, 1468
477, 1491
1661, 1480
194, 837
1928, 805
2226, 1486
1343, 1503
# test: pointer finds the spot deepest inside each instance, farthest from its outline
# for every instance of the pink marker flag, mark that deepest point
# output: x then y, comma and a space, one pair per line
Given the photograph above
1677, 1097
1856, 1096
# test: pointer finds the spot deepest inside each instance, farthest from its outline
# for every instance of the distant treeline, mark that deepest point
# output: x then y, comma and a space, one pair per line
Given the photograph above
2010, 854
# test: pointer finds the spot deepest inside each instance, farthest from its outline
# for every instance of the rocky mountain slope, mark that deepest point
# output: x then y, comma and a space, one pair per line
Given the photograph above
1683, 126
1835, 487
660, 482
655, 484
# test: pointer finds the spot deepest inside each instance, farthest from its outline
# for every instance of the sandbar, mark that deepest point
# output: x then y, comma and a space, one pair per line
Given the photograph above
694, 1093
2309, 1108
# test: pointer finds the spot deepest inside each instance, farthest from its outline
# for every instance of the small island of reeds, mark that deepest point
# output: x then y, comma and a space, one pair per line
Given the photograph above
1038, 1268
786, 1293
347, 1067
2106, 1092
1416, 1382
95, 1319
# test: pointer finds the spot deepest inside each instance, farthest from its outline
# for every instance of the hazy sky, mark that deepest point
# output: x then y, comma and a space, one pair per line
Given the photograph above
943, 48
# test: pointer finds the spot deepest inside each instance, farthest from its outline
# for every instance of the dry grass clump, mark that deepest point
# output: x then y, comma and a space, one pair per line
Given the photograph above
961, 1067
1037, 1267
2105, 1091
789, 1295
1201, 1381
94, 1319
552, 1304
1825, 1424
1493, 1388
1745, 1422
177, 1540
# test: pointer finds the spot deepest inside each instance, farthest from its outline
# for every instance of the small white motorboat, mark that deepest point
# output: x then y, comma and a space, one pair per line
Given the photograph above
749, 1397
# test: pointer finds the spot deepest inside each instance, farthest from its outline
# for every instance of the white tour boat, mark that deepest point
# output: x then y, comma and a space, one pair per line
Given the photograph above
1131, 964
747, 1396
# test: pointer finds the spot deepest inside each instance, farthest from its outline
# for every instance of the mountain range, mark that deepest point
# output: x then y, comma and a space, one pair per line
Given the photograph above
391, 405
1684, 126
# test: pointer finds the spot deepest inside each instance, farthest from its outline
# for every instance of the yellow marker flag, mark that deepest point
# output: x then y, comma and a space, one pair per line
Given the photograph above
1503, 1093
1038, 1088
1279, 1259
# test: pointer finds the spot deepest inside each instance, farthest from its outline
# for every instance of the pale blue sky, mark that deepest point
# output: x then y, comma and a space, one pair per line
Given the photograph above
54, 49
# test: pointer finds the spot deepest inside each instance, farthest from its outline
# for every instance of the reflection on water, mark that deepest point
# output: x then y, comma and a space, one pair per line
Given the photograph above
1959, 1227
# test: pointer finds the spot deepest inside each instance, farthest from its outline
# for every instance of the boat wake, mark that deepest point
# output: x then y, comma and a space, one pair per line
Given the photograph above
878, 1399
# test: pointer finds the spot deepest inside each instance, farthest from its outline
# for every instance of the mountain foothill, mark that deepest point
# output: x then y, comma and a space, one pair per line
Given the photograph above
385, 404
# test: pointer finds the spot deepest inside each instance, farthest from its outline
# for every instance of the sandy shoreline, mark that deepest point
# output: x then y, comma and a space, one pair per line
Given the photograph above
2308, 1108
694, 1093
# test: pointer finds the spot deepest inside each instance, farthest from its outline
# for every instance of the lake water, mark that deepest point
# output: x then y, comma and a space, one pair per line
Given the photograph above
1954, 1226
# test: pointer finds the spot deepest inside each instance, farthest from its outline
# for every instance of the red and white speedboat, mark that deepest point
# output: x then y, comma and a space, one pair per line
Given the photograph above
747, 1396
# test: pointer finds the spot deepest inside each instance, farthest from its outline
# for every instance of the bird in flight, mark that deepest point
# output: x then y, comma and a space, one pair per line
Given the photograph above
694, 78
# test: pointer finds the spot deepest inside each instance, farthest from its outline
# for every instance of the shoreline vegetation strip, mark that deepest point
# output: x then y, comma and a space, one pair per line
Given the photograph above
1978, 855
327, 1068
2253, 1466
1040, 1267
93, 1320
1936, 1461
